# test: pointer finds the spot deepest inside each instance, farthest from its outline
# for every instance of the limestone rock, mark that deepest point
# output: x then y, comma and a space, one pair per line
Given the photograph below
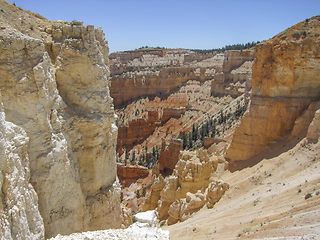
138, 130
191, 174
156, 72
314, 128
19, 214
302, 123
284, 82
144, 228
56, 89
215, 191
148, 217
235, 77
151, 201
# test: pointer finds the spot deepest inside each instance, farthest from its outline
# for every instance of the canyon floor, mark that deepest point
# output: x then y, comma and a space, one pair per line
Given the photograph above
274, 196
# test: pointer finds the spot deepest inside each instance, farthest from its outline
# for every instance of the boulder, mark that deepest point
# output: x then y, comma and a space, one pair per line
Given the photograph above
215, 191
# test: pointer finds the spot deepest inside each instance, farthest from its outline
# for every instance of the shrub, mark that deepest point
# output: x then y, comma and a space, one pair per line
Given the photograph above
309, 195
138, 194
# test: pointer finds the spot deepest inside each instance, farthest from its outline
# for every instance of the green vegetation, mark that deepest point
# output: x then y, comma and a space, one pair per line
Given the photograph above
209, 128
238, 46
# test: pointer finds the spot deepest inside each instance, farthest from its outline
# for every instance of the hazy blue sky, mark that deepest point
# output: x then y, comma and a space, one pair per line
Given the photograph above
203, 24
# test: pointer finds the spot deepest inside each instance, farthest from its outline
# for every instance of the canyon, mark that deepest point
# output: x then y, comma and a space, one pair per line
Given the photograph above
191, 144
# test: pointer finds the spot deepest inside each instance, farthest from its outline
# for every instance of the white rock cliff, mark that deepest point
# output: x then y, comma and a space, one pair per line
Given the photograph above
60, 128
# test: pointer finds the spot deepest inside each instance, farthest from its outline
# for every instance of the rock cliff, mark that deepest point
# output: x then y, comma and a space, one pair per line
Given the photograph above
137, 130
161, 72
285, 81
128, 174
157, 72
235, 77
19, 213
54, 86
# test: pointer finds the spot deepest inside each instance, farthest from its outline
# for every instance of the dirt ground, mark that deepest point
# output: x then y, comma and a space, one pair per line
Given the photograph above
275, 195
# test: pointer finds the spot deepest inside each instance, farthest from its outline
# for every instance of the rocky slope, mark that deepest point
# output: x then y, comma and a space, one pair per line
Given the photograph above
54, 89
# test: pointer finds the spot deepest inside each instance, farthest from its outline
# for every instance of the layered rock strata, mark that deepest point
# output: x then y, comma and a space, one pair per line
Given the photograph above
158, 72
128, 174
137, 130
235, 77
284, 83
55, 88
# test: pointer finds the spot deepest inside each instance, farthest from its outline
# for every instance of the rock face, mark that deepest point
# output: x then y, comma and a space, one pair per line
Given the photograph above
138, 130
314, 128
157, 72
129, 173
144, 228
191, 173
187, 190
151, 201
19, 213
215, 191
284, 83
55, 88
169, 157
235, 77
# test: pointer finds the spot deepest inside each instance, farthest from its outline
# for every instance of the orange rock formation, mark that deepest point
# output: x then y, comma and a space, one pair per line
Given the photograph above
129, 173
169, 157
138, 130
285, 81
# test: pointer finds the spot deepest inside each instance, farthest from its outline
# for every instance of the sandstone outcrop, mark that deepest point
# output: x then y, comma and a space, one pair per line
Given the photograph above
152, 199
138, 130
144, 228
169, 157
235, 77
182, 209
215, 191
191, 173
55, 87
314, 127
161, 72
126, 216
128, 174
284, 83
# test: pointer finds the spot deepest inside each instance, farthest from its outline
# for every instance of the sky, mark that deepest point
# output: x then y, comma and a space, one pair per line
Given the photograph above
192, 24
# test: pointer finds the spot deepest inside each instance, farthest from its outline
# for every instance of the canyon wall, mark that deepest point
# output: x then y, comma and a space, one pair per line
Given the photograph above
235, 77
54, 87
285, 81
128, 174
158, 72
138, 130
